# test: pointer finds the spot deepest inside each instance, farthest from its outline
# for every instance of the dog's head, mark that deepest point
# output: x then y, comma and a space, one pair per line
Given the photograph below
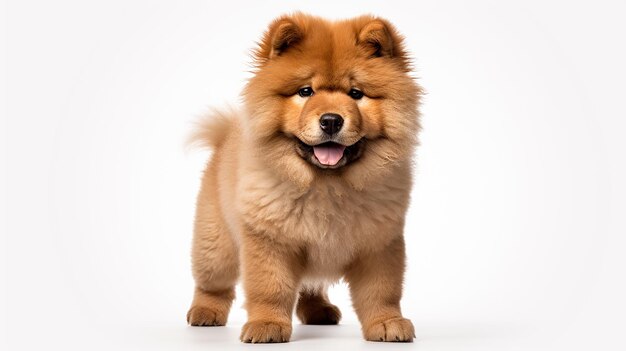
332, 98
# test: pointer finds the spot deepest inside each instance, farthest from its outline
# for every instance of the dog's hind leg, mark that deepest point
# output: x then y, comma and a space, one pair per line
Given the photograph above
215, 262
315, 308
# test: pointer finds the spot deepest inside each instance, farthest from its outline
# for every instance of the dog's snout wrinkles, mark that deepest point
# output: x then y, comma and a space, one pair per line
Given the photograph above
331, 123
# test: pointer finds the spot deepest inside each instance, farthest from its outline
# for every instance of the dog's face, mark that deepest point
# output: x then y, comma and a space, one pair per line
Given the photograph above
332, 98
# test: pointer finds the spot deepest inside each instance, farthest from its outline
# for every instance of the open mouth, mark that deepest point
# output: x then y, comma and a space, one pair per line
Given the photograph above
329, 155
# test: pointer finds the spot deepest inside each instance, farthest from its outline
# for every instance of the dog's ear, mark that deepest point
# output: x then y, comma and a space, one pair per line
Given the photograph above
378, 38
285, 33
282, 34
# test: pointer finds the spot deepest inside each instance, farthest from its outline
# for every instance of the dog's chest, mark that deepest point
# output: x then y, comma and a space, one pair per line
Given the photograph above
333, 223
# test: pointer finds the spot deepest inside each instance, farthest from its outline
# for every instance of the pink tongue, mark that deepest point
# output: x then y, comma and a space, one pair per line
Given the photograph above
329, 154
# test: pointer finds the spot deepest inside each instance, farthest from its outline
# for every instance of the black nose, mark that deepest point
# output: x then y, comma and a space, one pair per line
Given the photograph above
331, 123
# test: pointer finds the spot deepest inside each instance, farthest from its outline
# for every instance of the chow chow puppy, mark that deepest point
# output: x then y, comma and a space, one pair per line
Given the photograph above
309, 183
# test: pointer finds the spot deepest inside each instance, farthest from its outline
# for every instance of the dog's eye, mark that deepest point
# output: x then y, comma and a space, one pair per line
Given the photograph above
305, 92
355, 94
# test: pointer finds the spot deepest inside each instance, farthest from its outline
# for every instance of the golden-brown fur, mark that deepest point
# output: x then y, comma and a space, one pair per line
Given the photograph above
268, 211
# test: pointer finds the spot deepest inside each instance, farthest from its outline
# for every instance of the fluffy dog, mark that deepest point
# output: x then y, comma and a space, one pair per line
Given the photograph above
309, 183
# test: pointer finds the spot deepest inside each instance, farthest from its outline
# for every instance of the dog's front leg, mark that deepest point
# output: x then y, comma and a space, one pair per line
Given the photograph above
375, 281
271, 275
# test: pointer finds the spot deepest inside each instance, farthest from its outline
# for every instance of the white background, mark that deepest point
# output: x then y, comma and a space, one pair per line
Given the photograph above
516, 230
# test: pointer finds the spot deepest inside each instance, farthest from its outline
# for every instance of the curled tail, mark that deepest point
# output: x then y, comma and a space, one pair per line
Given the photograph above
211, 130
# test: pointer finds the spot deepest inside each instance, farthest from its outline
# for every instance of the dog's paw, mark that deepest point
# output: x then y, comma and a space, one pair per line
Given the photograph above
265, 332
205, 316
319, 314
394, 329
